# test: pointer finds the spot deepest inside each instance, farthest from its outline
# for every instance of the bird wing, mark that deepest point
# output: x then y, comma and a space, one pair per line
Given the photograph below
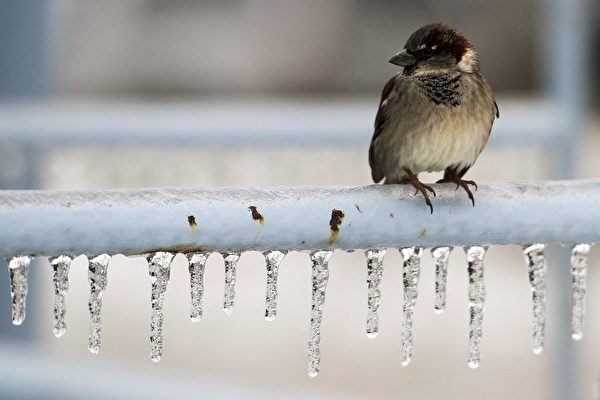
380, 120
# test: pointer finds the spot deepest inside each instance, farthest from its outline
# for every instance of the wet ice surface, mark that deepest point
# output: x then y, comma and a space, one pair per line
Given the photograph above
196, 263
475, 255
60, 276
159, 267
97, 276
440, 257
374, 276
536, 265
579, 264
18, 268
411, 271
231, 260
320, 276
273, 259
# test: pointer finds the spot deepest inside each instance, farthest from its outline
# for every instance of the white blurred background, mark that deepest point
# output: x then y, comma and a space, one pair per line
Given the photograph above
243, 93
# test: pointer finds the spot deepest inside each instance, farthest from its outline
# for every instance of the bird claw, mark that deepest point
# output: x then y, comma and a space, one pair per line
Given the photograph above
463, 184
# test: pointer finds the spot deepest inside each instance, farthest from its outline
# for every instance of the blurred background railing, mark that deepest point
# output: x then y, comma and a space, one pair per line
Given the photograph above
240, 92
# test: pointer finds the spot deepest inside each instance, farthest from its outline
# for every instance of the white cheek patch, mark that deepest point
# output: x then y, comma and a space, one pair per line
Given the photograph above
468, 61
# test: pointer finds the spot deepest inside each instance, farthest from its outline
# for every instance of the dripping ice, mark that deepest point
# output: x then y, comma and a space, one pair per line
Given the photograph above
273, 259
18, 268
579, 263
320, 276
475, 255
231, 260
60, 277
411, 271
196, 263
374, 276
536, 266
159, 267
440, 257
97, 276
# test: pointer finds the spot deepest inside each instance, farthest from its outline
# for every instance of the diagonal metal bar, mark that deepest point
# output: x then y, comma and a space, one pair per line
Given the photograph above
294, 218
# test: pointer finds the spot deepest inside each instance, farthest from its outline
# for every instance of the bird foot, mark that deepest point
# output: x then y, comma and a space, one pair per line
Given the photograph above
420, 187
461, 183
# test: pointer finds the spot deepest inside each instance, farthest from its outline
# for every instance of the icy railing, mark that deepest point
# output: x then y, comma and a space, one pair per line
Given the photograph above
158, 223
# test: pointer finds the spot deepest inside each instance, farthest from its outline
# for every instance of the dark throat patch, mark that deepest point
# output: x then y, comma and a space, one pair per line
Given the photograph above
441, 88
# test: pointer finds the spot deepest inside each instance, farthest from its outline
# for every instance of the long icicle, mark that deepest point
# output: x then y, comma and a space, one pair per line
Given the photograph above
374, 276
411, 271
159, 267
60, 276
231, 260
579, 264
97, 276
440, 257
320, 276
18, 267
475, 255
196, 263
536, 266
273, 259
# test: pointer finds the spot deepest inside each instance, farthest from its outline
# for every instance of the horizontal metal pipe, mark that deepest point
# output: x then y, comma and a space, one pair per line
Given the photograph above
294, 218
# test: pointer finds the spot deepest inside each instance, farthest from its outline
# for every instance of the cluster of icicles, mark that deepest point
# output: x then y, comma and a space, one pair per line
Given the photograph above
159, 268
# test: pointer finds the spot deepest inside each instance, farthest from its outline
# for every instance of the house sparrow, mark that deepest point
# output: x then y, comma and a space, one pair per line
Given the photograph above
435, 115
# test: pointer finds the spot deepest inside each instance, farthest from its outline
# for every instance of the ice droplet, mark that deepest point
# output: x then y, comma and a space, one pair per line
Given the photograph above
97, 276
475, 255
320, 276
579, 264
231, 260
411, 271
273, 259
536, 266
18, 267
159, 267
196, 263
374, 276
440, 257
60, 277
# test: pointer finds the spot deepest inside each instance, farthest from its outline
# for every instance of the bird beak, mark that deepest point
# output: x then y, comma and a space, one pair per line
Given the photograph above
403, 59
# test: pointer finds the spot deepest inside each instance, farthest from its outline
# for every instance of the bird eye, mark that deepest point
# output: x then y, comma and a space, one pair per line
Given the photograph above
427, 52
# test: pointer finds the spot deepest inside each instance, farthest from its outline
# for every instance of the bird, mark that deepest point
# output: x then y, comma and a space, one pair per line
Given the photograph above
436, 114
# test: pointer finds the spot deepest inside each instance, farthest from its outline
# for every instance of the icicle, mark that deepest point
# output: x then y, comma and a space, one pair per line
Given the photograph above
579, 263
60, 276
231, 260
196, 263
536, 265
374, 275
411, 270
475, 256
320, 275
97, 276
272, 258
440, 257
18, 268
159, 266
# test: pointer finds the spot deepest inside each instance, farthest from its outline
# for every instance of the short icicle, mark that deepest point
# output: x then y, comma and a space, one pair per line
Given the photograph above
273, 259
320, 276
18, 267
411, 271
440, 257
97, 276
579, 264
231, 260
475, 255
159, 267
60, 277
374, 276
196, 263
536, 266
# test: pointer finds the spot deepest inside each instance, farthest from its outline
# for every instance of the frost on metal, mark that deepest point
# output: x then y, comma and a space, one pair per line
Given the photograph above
536, 266
579, 264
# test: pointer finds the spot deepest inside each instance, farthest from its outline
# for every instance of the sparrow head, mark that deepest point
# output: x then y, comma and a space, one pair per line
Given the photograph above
437, 47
